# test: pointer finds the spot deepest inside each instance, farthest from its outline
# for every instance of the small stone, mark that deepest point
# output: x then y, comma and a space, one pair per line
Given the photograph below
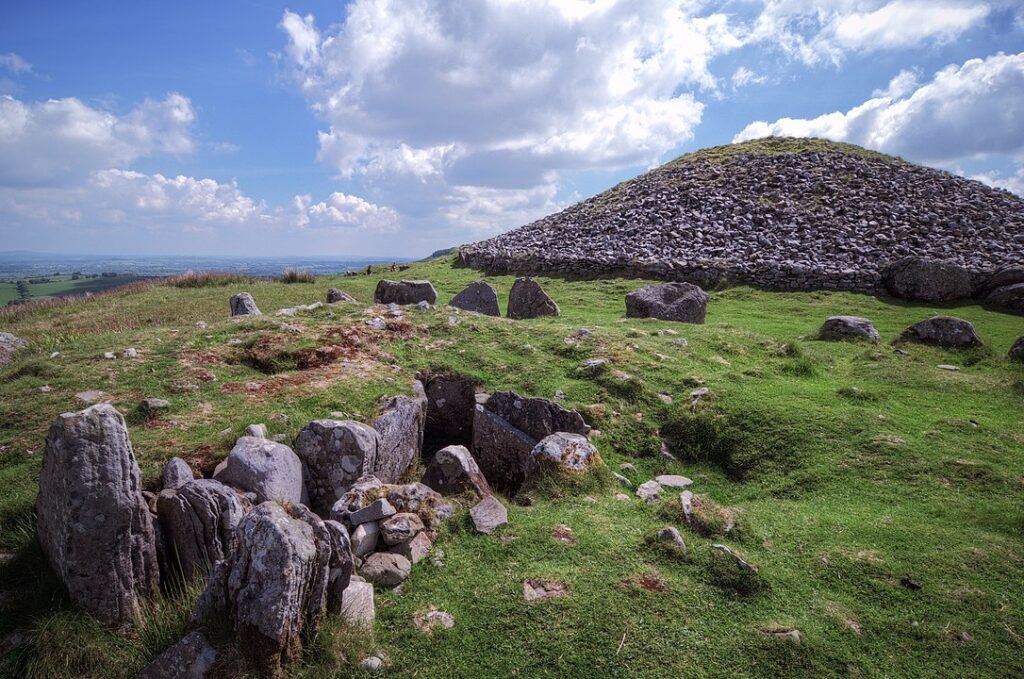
131, 352
488, 515
673, 481
54, 355
672, 536
622, 479
201, 325
400, 528
109, 355
544, 589
92, 396
559, 395
191, 658
649, 491
622, 497
243, 304
454, 320
433, 619
951, 368
386, 569
364, 538
628, 467
665, 397
379, 509
781, 633
45, 388
151, 405
372, 664
699, 392
334, 295
176, 474
376, 323
256, 431
422, 305
415, 550
279, 418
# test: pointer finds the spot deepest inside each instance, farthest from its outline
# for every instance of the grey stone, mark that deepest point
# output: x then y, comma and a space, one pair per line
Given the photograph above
355, 498
528, 300
243, 304
270, 470
404, 292
9, 344
400, 423
258, 431
376, 323
431, 507
422, 305
1017, 351
357, 607
622, 479
453, 470
198, 521
93, 523
488, 515
432, 619
945, 331
375, 511
536, 417
416, 549
478, 296
927, 280
673, 481
672, 536
152, 406
649, 491
130, 352
386, 569
364, 538
334, 455
501, 451
1007, 297
848, 327
566, 452
109, 355
451, 400
335, 295
176, 474
400, 528
341, 564
677, 301
191, 658
372, 664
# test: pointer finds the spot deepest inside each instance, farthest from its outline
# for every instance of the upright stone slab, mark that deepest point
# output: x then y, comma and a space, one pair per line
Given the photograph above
400, 425
404, 292
269, 469
198, 521
528, 300
677, 301
243, 304
93, 523
478, 296
501, 450
334, 455
451, 401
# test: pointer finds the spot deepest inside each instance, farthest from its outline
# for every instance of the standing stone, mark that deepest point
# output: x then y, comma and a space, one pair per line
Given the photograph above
243, 304
676, 301
191, 658
927, 280
945, 331
404, 292
335, 295
357, 607
1017, 351
176, 474
8, 345
453, 470
93, 522
269, 469
478, 296
400, 425
501, 450
334, 455
198, 521
340, 566
275, 584
451, 402
848, 328
528, 300
488, 515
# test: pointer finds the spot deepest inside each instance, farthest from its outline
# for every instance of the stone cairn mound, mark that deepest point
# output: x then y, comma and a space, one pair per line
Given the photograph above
830, 216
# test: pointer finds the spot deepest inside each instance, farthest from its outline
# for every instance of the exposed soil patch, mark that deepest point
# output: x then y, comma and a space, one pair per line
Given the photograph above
544, 589
563, 534
649, 582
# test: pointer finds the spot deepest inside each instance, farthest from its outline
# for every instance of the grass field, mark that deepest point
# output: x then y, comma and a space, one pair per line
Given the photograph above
849, 466
63, 285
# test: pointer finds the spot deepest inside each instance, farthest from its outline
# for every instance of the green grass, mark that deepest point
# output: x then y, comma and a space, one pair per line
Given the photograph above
848, 466
779, 145
63, 286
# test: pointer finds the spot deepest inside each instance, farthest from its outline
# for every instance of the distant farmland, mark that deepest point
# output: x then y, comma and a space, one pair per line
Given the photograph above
63, 286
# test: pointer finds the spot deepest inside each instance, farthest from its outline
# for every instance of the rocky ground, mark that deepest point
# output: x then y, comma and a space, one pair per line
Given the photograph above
778, 213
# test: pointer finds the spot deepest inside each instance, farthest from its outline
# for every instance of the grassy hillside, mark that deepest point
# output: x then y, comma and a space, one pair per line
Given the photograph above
60, 286
849, 466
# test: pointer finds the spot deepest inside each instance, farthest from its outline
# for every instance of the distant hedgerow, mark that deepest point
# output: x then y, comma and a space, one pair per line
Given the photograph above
209, 279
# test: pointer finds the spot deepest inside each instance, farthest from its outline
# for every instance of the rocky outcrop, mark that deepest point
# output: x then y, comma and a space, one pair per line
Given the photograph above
198, 522
334, 295
927, 280
453, 470
1007, 297
825, 216
275, 585
93, 522
848, 328
191, 658
243, 304
400, 423
945, 331
334, 455
9, 344
682, 302
404, 292
478, 296
528, 300
270, 470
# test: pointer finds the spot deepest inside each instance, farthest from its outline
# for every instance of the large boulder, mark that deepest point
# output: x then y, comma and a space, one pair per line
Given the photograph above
501, 450
1017, 351
945, 331
528, 300
191, 658
1001, 278
676, 301
566, 452
8, 345
478, 296
198, 521
275, 585
404, 292
400, 423
1007, 297
243, 304
93, 522
451, 401
334, 455
269, 469
537, 417
927, 280
453, 470
848, 328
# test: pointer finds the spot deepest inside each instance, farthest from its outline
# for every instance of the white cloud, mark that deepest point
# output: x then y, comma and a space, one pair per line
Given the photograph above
972, 110
1014, 183
825, 30
15, 64
905, 82
63, 140
342, 210
743, 76
422, 99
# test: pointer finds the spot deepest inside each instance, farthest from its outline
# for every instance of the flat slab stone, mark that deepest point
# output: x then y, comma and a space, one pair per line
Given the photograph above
357, 607
673, 481
488, 515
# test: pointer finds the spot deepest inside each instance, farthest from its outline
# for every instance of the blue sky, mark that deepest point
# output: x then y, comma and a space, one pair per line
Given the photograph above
395, 128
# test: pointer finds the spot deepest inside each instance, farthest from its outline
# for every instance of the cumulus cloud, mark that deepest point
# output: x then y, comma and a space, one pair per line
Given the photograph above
971, 110
64, 140
825, 30
343, 211
429, 97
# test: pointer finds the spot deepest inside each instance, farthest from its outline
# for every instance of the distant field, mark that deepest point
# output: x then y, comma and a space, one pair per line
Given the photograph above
63, 285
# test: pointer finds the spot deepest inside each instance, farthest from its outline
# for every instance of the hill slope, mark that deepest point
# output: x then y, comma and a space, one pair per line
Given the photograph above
775, 212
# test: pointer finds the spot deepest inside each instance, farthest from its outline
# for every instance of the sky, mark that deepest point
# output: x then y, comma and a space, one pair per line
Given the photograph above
400, 127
